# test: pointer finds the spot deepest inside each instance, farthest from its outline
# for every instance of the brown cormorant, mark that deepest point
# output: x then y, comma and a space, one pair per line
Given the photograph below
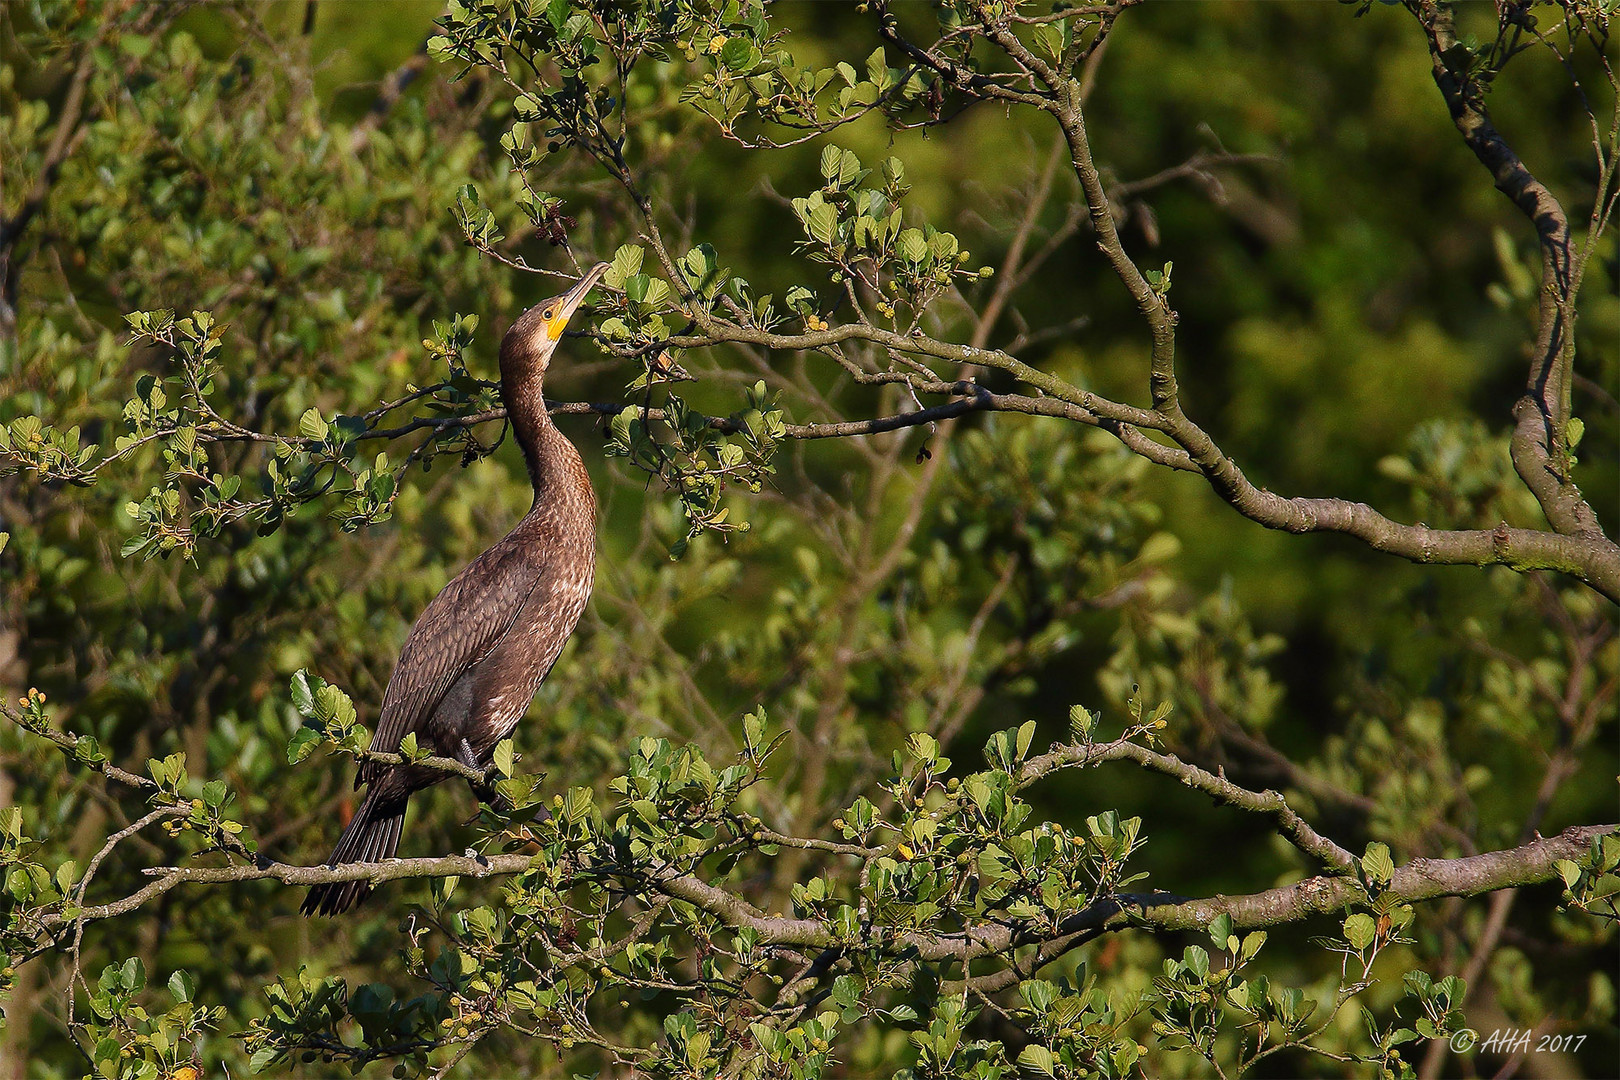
480, 649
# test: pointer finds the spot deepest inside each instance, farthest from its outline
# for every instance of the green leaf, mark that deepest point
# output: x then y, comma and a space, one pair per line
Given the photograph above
1026, 735
303, 694
913, 246
1360, 930
876, 66
334, 706
754, 728
312, 425
738, 53
526, 110
302, 744
849, 168
1050, 40
1377, 864
1160, 547
831, 161
823, 223
626, 264
1039, 1058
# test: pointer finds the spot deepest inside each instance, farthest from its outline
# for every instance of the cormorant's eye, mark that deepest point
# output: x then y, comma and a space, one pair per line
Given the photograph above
547, 314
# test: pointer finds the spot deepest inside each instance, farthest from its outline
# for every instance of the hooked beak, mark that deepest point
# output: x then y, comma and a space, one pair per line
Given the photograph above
572, 299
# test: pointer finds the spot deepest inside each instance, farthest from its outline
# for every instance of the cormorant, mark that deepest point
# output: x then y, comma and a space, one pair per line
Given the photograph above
480, 649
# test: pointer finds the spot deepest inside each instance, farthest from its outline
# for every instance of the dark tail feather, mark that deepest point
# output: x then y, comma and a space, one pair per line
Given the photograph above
372, 836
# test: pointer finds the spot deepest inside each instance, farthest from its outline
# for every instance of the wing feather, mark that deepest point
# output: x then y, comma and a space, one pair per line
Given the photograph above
455, 631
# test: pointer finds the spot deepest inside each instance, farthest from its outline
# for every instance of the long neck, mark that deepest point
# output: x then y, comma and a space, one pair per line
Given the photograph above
545, 450
562, 487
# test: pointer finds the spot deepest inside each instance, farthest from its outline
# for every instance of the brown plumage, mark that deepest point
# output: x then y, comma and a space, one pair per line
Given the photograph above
480, 649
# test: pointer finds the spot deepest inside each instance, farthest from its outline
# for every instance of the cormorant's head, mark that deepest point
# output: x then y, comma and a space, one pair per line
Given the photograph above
533, 338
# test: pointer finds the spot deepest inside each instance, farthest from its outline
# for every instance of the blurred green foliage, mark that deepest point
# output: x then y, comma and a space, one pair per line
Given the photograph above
262, 289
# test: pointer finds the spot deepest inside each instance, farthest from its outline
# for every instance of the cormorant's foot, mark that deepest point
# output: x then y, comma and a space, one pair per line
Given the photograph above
482, 788
485, 792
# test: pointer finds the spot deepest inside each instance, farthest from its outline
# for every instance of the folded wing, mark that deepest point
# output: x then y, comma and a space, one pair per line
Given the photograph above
455, 631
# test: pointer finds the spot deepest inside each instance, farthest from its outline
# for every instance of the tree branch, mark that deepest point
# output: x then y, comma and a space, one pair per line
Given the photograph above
1416, 881
1540, 447
1270, 803
974, 398
1578, 547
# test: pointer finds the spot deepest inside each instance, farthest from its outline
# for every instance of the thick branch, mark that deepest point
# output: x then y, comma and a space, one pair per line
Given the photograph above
1577, 548
1417, 881
1539, 446
1594, 561
1068, 110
